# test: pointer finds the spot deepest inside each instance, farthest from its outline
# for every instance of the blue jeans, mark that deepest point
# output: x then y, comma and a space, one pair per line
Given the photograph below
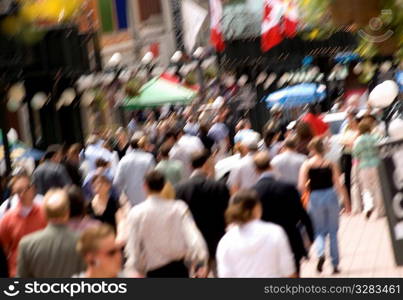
324, 211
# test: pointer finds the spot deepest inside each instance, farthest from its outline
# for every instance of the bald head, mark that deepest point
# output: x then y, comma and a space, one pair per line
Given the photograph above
57, 206
262, 161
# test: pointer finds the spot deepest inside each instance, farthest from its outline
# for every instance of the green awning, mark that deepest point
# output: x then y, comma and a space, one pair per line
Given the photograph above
159, 92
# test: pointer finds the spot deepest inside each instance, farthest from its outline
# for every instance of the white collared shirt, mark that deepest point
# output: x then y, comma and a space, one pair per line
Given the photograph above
161, 231
255, 250
183, 151
12, 202
244, 175
287, 165
129, 178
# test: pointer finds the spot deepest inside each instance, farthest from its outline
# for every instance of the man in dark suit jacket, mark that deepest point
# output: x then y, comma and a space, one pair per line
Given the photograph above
3, 263
282, 205
207, 200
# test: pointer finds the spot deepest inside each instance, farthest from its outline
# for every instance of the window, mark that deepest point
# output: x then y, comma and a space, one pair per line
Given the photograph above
113, 15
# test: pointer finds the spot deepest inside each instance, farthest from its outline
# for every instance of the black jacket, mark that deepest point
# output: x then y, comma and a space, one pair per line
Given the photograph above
281, 204
207, 200
3, 264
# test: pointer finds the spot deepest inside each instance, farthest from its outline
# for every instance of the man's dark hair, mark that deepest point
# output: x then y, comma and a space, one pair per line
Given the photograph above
313, 109
51, 151
290, 143
170, 134
101, 163
268, 136
77, 201
134, 143
199, 159
155, 181
164, 150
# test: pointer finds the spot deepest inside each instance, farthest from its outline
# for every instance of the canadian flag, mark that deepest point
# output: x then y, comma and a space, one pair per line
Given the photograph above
216, 13
272, 32
290, 18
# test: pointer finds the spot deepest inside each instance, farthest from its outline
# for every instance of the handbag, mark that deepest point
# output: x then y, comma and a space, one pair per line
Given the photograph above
305, 198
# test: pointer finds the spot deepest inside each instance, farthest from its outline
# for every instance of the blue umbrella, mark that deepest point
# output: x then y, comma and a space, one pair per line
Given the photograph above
347, 57
297, 95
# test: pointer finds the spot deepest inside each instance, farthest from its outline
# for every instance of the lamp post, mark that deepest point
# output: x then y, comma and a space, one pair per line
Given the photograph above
147, 62
198, 56
176, 61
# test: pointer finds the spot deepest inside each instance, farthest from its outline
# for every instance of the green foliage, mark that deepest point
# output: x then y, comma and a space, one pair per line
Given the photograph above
318, 24
191, 78
133, 87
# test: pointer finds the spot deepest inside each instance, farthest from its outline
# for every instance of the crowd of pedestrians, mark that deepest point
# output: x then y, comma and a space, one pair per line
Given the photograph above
175, 197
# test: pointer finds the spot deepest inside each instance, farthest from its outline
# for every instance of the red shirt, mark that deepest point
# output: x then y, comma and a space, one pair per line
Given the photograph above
318, 126
14, 226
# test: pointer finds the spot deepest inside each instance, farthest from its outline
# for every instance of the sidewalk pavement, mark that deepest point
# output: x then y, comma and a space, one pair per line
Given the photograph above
365, 251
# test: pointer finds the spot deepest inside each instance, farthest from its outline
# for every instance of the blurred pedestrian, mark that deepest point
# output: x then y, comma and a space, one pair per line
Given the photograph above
271, 142
170, 168
72, 164
219, 132
131, 171
207, 141
163, 238
322, 178
104, 207
281, 203
78, 219
243, 175
251, 247
13, 200
51, 173
185, 146
51, 252
304, 136
315, 121
365, 150
121, 143
24, 218
3, 263
348, 136
287, 164
207, 200
101, 253
192, 126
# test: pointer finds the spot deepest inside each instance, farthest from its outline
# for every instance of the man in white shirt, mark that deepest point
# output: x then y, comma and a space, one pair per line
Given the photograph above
164, 240
244, 130
96, 149
244, 174
129, 178
183, 150
287, 164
